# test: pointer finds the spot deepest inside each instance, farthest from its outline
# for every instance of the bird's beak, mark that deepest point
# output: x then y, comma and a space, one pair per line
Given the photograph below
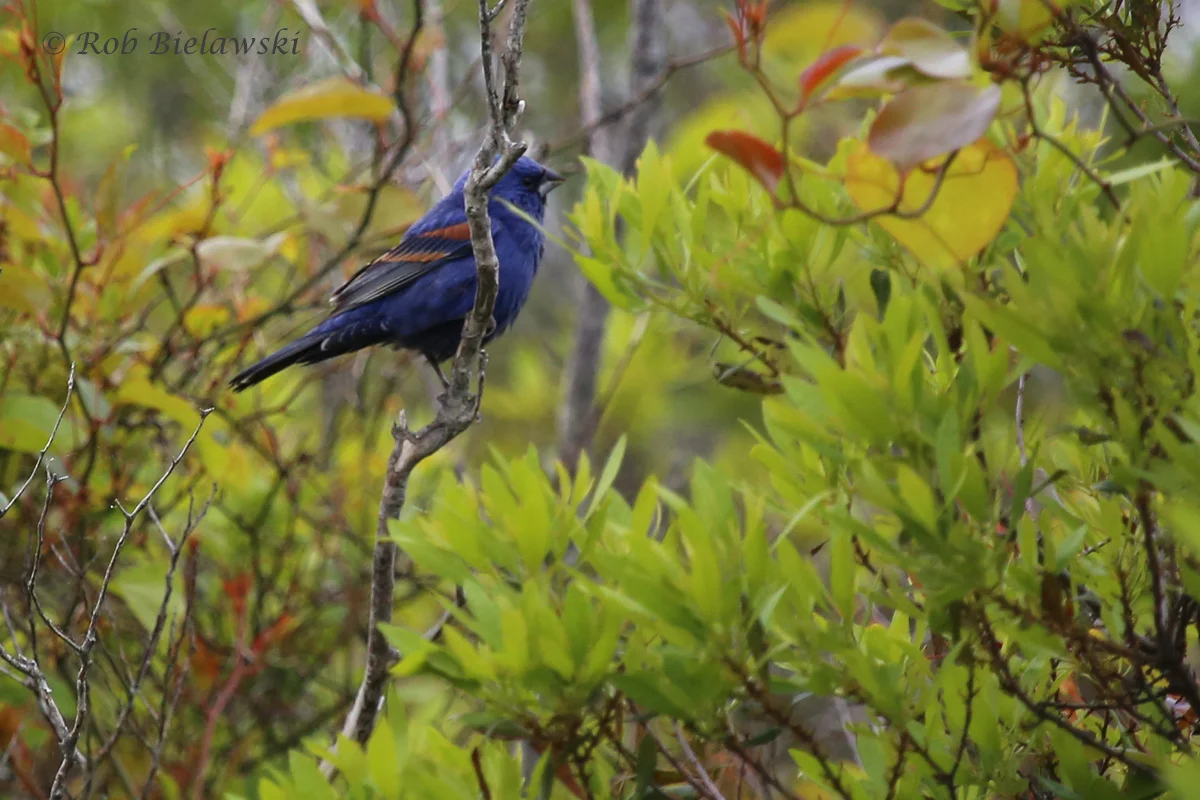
550, 181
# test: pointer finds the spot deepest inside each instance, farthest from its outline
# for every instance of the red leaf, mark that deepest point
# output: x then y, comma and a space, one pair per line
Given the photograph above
739, 33
824, 68
236, 588
755, 15
752, 154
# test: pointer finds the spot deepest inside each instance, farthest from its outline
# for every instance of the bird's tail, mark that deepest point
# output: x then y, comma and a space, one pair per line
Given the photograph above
332, 338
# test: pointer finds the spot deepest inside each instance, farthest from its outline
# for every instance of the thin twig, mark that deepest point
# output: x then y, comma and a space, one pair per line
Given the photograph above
42, 453
90, 639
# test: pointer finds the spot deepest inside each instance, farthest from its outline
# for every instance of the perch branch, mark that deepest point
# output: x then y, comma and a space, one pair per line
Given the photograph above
458, 406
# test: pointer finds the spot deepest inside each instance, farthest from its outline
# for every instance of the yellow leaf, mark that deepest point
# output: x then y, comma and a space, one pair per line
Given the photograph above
10, 42
203, 319
13, 143
1026, 20
19, 224
801, 32
22, 290
140, 392
967, 213
288, 157
334, 97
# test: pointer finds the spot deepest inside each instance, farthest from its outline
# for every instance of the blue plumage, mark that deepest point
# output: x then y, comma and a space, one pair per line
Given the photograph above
417, 295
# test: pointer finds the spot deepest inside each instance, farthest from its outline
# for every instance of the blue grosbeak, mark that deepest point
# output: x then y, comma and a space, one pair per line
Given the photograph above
417, 295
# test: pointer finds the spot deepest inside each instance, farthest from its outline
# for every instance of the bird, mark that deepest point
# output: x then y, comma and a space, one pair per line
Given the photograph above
417, 295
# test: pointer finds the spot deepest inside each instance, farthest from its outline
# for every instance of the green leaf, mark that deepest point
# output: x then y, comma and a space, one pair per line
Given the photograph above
142, 585
647, 763
654, 693
881, 287
309, 782
350, 760
607, 476
842, 573
26, 422
381, 759
1141, 171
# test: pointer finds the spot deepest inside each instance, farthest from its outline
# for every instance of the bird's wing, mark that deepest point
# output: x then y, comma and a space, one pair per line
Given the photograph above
418, 254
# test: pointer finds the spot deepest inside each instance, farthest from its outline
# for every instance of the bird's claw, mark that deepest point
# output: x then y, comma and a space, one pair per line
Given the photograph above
437, 370
400, 429
483, 361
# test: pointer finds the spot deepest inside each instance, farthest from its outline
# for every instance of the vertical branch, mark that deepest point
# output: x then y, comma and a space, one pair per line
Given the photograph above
458, 408
439, 99
578, 413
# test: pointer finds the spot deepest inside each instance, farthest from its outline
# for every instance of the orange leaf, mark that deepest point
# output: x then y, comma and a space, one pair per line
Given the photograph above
236, 588
824, 68
752, 154
276, 632
14, 143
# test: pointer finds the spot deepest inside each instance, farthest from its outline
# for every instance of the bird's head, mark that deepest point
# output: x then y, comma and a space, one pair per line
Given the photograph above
528, 176
525, 185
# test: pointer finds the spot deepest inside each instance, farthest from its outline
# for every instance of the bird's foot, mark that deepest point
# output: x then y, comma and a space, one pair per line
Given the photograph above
437, 370
483, 360
401, 431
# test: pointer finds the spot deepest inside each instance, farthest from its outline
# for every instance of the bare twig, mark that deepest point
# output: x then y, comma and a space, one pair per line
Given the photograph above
90, 639
480, 778
42, 454
709, 787
311, 15
176, 550
646, 94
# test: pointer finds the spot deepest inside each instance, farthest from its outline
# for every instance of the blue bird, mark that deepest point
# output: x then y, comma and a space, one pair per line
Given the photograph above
417, 295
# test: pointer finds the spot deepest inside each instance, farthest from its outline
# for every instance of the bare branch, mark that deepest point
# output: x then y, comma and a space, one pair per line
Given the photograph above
311, 15
709, 787
84, 650
176, 550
